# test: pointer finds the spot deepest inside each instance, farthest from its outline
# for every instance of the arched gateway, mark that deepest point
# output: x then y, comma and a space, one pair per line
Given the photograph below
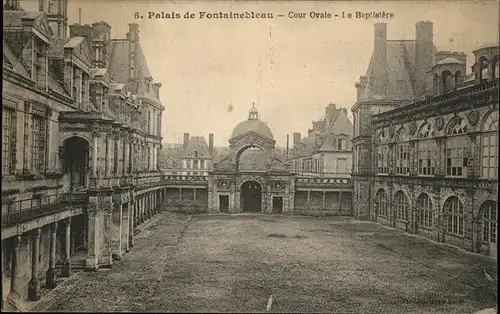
249, 178
251, 196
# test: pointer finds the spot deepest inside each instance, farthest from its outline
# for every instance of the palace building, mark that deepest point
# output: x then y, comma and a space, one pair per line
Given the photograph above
426, 141
327, 148
81, 122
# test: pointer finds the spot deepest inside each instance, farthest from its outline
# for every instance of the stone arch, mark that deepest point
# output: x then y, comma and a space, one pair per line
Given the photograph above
456, 126
458, 77
80, 135
76, 160
402, 135
238, 152
257, 179
251, 198
483, 67
381, 203
490, 117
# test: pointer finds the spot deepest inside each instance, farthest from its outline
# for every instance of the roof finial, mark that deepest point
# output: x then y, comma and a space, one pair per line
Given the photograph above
80, 15
253, 114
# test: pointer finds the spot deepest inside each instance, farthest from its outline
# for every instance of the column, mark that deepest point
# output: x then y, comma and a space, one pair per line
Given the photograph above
109, 156
50, 281
323, 200
131, 223
180, 197
125, 226
106, 257
141, 211
66, 264
194, 200
340, 201
95, 139
309, 198
34, 284
126, 158
116, 231
14, 275
93, 237
117, 162
136, 212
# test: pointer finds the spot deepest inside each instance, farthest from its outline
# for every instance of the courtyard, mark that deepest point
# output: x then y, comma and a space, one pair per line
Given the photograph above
263, 263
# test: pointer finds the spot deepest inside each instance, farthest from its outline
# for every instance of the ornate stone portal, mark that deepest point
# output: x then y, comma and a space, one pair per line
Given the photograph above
234, 189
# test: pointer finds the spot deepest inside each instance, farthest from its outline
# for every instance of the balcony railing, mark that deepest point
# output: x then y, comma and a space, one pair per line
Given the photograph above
326, 182
27, 209
333, 175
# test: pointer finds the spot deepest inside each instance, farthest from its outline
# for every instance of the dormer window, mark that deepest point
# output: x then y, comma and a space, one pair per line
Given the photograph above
38, 73
147, 87
195, 154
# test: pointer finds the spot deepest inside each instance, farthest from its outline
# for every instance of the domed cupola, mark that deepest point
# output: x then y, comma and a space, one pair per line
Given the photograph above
448, 71
252, 124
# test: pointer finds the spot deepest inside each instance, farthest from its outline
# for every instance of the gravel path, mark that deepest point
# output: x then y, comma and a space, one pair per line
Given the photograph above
236, 263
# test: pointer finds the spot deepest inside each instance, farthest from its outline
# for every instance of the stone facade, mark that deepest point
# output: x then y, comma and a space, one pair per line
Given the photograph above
427, 163
81, 123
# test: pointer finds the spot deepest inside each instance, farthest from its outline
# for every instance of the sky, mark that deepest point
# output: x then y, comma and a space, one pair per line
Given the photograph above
291, 68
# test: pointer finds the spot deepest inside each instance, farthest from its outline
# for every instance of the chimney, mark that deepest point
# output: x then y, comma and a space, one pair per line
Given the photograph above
211, 144
12, 5
424, 52
40, 5
133, 40
379, 59
287, 144
309, 132
296, 139
186, 140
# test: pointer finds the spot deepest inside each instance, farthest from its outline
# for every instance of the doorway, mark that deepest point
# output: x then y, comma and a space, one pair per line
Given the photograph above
251, 196
277, 204
223, 203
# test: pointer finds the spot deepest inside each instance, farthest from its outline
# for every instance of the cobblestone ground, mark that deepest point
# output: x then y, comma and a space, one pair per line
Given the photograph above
234, 263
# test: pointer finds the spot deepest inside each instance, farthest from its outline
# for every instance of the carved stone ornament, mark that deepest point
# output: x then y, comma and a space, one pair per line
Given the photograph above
278, 185
107, 208
92, 209
473, 117
413, 128
224, 184
392, 131
439, 123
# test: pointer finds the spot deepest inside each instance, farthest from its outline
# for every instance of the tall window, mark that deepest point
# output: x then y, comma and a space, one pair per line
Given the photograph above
427, 151
9, 131
457, 147
38, 73
341, 144
402, 206
383, 159
490, 146
74, 87
38, 143
149, 122
455, 211
202, 164
381, 203
489, 222
424, 209
402, 153
195, 164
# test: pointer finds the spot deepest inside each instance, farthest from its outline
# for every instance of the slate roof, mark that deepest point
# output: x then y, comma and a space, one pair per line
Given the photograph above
199, 144
323, 141
97, 72
118, 65
73, 42
14, 18
56, 47
400, 62
12, 61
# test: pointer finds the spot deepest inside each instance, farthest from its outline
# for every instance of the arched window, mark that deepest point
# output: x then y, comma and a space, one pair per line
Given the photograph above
427, 150
381, 203
401, 152
483, 68
446, 77
382, 153
455, 211
457, 148
458, 77
489, 222
490, 146
402, 206
424, 209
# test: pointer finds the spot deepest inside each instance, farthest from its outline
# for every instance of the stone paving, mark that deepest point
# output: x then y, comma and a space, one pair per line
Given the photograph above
235, 263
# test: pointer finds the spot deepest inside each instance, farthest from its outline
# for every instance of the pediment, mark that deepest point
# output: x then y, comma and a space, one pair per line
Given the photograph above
251, 138
41, 24
79, 49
